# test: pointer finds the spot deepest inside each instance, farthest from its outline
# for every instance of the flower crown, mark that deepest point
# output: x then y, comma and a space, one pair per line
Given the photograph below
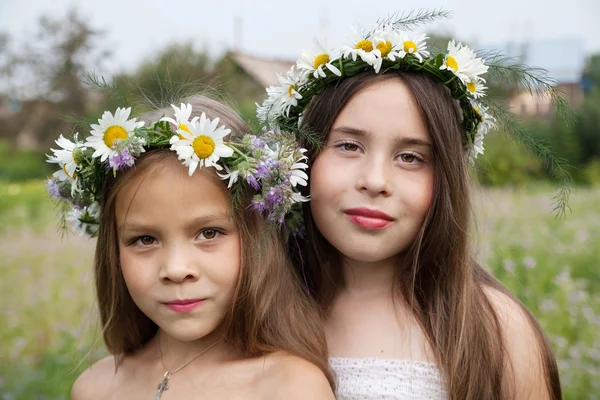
382, 48
272, 164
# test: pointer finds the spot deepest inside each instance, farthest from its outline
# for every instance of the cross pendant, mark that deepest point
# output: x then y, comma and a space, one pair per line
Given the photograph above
162, 386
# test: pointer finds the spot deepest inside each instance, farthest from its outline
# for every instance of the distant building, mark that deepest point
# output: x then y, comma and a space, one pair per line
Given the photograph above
243, 77
564, 59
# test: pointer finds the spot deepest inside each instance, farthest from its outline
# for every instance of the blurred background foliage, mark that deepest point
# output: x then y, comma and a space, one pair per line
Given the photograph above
48, 323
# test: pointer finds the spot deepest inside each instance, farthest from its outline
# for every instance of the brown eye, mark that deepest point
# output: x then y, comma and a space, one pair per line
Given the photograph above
208, 234
349, 146
409, 158
146, 240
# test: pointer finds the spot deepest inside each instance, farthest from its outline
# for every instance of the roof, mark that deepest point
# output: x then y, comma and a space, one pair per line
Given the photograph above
263, 70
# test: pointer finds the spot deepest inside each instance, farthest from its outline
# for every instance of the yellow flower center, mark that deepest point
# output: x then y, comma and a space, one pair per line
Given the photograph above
410, 47
77, 155
321, 59
203, 146
478, 111
365, 45
290, 90
451, 63
471, 87
183, 127
384, 48
113, 133
74, 173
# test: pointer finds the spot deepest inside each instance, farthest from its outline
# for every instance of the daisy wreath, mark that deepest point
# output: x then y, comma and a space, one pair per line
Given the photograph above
392, 45
272, 164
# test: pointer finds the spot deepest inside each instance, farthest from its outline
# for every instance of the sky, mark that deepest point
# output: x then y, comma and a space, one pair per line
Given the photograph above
281, 29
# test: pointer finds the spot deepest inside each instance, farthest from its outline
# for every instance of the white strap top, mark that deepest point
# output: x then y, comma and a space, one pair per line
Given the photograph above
375, 378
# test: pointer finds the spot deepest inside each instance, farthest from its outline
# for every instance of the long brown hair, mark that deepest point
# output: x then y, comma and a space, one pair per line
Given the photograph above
269, 311
437, 277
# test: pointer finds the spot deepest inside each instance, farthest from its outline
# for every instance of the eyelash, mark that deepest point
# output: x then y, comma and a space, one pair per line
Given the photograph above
136, 240
218, 232
346, 143
415, 155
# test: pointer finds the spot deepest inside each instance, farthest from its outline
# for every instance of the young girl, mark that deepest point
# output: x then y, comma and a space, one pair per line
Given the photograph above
197, 298
409, 314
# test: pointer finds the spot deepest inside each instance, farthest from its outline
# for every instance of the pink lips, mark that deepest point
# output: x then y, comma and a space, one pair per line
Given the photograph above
181, 306
369, 219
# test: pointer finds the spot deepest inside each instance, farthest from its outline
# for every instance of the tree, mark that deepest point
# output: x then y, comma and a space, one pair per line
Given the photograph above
172, 74
45, 74
591, 74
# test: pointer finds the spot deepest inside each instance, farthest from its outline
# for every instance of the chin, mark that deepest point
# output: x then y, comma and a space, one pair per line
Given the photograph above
187, 331
367, 256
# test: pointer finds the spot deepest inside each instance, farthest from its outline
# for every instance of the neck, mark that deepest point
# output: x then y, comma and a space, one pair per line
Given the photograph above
176, 353
368, 278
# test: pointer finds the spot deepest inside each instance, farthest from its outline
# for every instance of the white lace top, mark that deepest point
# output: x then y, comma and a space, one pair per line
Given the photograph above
375, 378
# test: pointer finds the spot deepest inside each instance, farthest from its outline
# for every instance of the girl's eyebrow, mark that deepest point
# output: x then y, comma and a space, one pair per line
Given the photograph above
133, 226
404, 140
348, 130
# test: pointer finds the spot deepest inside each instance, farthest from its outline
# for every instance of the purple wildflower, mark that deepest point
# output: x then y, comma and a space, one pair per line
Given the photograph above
263, 171
256, 143
274, 197
53, 189
121, 160
529, 262
265, 168
252, 182
259, 206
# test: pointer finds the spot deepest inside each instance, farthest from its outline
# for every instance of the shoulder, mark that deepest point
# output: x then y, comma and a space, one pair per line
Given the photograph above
525, 347
94, 383
292, 377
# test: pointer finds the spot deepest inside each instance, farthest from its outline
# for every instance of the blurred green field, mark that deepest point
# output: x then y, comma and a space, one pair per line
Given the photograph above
48, 330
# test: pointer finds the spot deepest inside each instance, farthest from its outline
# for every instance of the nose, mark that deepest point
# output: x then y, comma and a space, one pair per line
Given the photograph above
178, 265
375, 176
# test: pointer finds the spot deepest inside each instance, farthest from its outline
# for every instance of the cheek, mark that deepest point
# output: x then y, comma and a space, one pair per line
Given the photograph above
328, 179
138, 275
421, 194
225, 268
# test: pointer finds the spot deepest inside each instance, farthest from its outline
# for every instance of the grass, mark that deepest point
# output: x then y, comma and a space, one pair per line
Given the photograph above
48, 330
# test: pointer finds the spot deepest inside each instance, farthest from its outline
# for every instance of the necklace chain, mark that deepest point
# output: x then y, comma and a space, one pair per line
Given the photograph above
169, 373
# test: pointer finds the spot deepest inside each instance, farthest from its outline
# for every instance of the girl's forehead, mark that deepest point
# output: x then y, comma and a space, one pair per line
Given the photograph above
385, 109
171, 193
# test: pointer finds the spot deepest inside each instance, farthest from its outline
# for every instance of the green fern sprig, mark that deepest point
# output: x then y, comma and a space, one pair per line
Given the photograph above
557, 166
413, 19
116, 91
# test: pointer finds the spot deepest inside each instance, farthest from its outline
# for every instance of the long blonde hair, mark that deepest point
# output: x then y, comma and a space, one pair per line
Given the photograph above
269, 311
444, 288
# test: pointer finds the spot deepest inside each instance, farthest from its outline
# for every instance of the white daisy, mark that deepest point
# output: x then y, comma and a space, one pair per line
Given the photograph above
389, 43
231, 175
69, 157
487, 122
267, 112
463, 62
313, 61
285, 96
203, 145
363, 47
414, 44
477, 147
110, 130
297, 174
182, 117
62, 176
92, 212
476, 88
298, 198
